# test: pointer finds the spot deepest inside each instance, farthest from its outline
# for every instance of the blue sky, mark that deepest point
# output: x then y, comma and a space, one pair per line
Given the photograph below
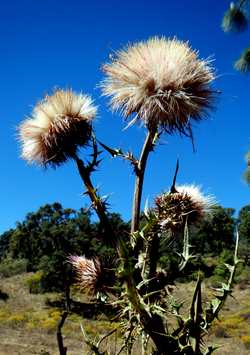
47, 44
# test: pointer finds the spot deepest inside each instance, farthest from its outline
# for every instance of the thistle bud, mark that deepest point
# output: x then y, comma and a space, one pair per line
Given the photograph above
173, 209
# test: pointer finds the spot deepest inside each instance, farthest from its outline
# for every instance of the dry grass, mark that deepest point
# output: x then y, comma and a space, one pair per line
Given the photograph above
231, 331
28, 326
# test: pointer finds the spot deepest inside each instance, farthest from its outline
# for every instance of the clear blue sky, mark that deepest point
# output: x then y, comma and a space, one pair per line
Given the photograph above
62, 43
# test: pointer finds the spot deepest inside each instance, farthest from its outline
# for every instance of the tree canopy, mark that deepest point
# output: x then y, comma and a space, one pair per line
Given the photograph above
47, 237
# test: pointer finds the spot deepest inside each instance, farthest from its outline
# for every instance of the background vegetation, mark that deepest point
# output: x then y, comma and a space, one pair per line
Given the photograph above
33, 273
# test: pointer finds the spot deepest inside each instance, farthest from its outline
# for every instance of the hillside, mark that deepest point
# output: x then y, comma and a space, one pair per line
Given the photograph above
28, 325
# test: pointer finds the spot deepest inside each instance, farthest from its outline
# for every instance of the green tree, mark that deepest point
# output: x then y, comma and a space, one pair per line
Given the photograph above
47, 237
215, 233
244, 231
4, 243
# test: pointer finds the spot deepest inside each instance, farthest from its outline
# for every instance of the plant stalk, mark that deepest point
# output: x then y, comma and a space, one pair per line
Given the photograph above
62, 349
96, 201
152, 324
140, 171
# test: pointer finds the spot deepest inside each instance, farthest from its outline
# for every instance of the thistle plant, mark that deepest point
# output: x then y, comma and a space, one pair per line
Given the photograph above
163, 85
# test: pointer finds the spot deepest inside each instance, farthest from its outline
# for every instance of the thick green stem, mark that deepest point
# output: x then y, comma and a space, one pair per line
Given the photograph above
147, 148
151, 323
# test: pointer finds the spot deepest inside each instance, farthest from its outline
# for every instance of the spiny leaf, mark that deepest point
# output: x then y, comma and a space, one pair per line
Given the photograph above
229, 267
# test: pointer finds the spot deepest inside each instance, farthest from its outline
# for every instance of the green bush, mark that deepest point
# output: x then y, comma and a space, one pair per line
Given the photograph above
226, 257
243, 274
34, 282
215, 281
10, 267
198, 274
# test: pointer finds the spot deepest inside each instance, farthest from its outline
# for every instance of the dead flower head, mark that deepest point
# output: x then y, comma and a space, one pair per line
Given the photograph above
88, 273
58, 126
173, 209
162, 81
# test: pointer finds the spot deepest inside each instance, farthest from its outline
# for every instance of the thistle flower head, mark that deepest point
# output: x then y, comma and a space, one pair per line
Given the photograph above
162, 81
235, 19
243, 63
88, 273
58, 126
188, 203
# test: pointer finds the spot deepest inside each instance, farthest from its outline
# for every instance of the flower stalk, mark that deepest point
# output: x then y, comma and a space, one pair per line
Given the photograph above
140, 171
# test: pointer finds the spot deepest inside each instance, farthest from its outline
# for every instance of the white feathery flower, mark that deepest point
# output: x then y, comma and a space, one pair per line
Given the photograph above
162, 81
204, 201
59, 124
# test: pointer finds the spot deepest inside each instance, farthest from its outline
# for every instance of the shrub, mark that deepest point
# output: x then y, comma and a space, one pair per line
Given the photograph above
34, 282
10, 267
225, 257
246, 341
215, 281
220, 332
50, 323
17, 319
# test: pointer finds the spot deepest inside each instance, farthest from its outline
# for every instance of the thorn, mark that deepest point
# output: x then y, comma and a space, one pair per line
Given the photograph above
173, 189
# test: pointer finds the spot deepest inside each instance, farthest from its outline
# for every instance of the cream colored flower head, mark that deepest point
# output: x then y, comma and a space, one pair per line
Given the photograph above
59, 124
161, 81
173, 209
88, 273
